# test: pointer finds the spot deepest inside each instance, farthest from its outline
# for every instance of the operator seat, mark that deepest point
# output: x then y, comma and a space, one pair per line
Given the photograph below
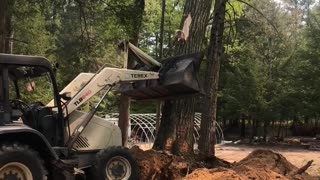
44, 121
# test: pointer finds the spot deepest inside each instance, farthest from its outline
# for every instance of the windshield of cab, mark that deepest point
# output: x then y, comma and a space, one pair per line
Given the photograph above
33, 84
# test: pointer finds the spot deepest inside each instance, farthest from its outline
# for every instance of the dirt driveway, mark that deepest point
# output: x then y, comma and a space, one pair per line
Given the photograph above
298, 157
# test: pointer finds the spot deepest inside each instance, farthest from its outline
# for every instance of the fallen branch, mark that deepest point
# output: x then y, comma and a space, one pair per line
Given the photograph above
302, 169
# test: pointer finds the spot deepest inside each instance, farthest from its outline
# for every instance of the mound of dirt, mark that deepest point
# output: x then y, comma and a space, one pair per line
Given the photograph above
259, 165
158, 165
240, 173
216, 173
270, 161
257, 173
267, 159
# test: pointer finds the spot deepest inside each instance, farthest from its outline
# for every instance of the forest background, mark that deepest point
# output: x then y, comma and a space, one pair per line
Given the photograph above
269, 81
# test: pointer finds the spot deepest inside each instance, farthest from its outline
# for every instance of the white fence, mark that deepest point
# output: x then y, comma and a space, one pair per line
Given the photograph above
142, 127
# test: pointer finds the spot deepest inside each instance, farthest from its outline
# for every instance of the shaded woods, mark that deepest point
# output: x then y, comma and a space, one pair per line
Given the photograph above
260, 59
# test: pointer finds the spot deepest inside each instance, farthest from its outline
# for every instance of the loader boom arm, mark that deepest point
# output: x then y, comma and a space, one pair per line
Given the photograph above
93, 83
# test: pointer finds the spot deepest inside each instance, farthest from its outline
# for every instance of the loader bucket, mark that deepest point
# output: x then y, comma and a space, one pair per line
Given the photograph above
178, 77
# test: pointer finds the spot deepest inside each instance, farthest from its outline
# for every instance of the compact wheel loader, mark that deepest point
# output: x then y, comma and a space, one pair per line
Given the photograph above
58, 141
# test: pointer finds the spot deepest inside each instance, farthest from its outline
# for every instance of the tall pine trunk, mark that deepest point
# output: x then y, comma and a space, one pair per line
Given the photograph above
215, 53
158, 104
124, 106
243, 128
254, 130
6, 31
265, 130
176, 127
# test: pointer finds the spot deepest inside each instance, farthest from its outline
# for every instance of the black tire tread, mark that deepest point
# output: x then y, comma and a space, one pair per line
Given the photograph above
109, 152
6, 148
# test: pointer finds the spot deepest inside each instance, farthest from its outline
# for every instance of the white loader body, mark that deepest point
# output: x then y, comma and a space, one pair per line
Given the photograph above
98, 133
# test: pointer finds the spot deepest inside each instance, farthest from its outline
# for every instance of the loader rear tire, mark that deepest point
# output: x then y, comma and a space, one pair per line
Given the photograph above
116, 163
19, 162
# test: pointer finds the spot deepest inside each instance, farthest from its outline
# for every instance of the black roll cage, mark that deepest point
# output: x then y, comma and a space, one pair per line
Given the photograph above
8, 61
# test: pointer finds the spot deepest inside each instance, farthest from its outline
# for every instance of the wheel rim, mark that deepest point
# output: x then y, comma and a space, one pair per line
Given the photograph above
15, 171
118, 168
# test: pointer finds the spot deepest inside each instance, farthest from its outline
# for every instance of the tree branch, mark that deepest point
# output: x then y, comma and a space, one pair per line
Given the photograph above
302, 169
229, 39
268, 20
83, 17
14, 39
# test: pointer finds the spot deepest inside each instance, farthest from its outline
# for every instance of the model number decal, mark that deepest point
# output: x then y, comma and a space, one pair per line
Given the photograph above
82, 98
139, 75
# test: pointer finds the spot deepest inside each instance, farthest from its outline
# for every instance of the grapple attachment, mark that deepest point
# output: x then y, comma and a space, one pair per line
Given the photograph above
178, 77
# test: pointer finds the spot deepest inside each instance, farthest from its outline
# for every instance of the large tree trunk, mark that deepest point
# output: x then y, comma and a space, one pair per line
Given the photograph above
176, 127
124, 113
162, 29
124, 107
158, 105
6, 31
207, 127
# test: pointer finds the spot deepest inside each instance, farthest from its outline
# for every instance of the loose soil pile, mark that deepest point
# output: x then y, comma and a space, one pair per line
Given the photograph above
260, 164
267, 159
158, 165
239, 173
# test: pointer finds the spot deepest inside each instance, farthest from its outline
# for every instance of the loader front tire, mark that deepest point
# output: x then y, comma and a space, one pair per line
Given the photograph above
116, 163
19, 162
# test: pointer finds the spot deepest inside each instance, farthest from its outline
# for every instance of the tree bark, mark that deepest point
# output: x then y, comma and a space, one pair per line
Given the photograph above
243, 128
254, 128
158, 104
215, 53
265, 130
6, 31
158, 116
124, 114
162, 28
124, 106
177, 122
279, 128
302, 169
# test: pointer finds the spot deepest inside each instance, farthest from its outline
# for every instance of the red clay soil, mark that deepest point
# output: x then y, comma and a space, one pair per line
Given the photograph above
240, 173
159, 165
267, 159
259, 165
216, 173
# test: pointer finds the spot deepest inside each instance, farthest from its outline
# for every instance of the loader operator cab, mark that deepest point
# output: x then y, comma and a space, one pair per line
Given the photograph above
27, 101
21, 101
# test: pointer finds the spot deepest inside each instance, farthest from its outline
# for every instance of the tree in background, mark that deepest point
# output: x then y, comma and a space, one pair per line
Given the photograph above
124, 108
268, 76
215, 55
259, 87
6, 31
22, 24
